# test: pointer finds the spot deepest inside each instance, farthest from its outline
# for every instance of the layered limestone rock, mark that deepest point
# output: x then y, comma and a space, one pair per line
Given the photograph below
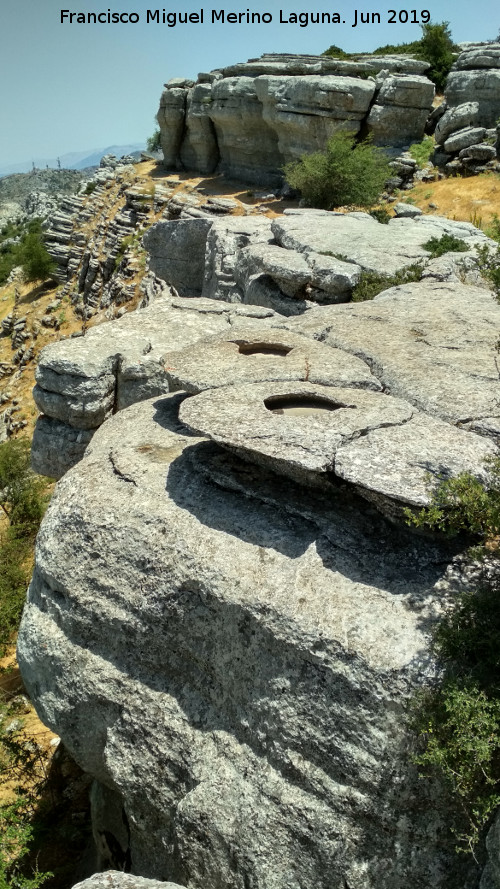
248, 120
81, 382
467, 130
435, 342
230, 654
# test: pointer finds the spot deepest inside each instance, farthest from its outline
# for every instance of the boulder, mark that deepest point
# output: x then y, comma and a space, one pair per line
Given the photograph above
170, 119
118, 880
456, 118
232, 656
400, 112
481, 86
312, 433
463, 138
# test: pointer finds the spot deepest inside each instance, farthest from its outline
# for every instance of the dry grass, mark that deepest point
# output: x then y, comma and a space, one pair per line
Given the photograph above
474, 199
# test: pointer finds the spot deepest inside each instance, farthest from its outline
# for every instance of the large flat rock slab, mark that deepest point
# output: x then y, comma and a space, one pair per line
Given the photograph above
231, 655
360, 239
433, 344
247, 355
315, 434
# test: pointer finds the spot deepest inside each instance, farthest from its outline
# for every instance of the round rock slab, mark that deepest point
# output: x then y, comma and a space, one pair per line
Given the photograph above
248, 356
294, 428
390, 452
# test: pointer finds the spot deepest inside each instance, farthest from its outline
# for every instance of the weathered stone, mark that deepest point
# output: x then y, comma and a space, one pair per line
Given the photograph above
199, 150
57, 447
464, 138
225, 240
361, 239
305, 111
248, 147
247, 356
309, 432
481, 86
485, 56
407, 211
257, 641
81, 382
118, 880
456, 118
177, 253
170, 118
481, 153
430, 343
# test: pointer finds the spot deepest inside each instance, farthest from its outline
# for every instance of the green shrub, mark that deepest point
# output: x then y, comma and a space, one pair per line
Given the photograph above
345, 173
458, 721
34, 259
336, 52
381, 215
90, 187
421, 151
153, 143
370, 284
493, 229
462, 503
444, 244
22, 501
488, 261
437, 47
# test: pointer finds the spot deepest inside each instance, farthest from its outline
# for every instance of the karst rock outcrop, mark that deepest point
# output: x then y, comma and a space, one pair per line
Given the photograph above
249, 119
228, 614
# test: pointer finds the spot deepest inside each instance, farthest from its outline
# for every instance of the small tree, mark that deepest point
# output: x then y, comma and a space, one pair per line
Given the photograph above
346, 173
154, 143
36, 262
436, 47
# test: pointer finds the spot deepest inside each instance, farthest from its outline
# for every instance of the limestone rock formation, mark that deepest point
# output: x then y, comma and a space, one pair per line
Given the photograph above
231, 655
471, 110
435, 338
249, 119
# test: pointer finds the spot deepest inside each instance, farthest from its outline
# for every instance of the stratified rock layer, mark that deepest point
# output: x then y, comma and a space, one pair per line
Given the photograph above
250, 119
231, 654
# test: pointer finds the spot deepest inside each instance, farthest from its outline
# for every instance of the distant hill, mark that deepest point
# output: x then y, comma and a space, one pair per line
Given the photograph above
18, 185
76, 160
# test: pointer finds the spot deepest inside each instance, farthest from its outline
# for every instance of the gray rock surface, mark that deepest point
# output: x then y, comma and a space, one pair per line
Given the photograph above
177, 253
250, 119
310, 433
481, 86
232, 656
246, 356
464, 138
118, 880
81, 382
490, 878
431, 343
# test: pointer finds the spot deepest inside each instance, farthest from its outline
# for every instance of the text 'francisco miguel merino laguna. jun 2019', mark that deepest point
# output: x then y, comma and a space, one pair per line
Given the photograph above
247, 17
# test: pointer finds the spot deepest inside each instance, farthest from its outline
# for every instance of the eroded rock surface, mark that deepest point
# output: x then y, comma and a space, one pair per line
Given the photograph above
249, 119
232, 654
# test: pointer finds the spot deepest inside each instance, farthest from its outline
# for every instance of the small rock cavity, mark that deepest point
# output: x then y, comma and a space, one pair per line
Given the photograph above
301, 405
263, 349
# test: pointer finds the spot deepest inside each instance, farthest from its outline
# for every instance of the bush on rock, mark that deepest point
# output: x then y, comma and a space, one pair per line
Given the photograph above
346, 173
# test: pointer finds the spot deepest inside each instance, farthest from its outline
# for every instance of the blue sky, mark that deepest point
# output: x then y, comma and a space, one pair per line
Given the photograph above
68, 87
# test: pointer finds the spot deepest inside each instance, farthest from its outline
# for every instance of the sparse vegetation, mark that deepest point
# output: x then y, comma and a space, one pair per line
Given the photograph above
381, 215
421, 151
22, 502
445, 244
29, 252
153, 143
371, 284
435, 46
488, 260
458, 721
346, 173
90, 187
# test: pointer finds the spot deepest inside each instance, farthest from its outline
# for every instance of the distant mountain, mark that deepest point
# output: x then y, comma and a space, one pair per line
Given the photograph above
75, 160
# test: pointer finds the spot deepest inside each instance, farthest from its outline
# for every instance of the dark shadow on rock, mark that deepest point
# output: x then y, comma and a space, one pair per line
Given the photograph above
270, 511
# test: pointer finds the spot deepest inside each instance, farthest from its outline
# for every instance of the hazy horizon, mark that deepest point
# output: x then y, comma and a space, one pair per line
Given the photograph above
68, 85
